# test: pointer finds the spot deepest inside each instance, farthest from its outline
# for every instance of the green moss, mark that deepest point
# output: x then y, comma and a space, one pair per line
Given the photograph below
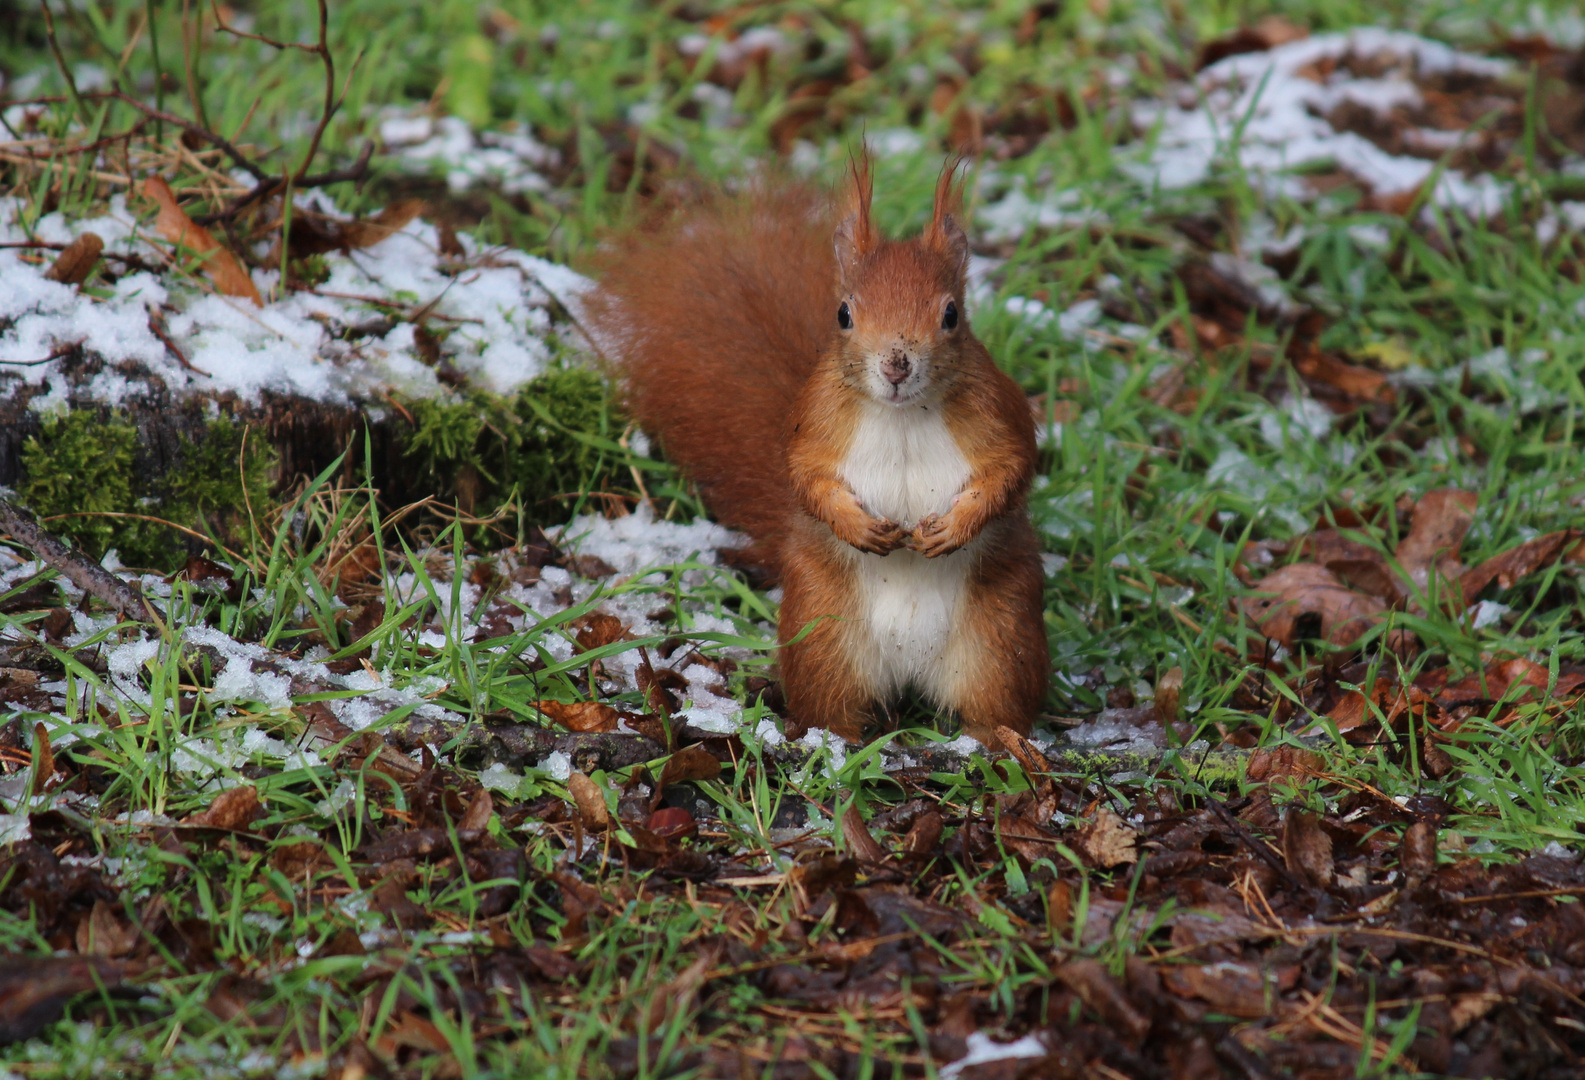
550, 439
209, 490
80, 464
83, 464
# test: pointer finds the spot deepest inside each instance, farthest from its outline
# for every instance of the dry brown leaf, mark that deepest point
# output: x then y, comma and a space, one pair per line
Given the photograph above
1028, 756
590, 566
1355, 381
671, 821
1096, 988
1169, 688
1470, 1008
1304, 592
1436, 532
1500, 679
408, 1030
597, 629
1107, 841
1436, 761
221, 265
1059, 908
477, 817
677, 998
1517, 562
235, 808
584, 716
1353, 710
316, 234
446, 238
1328, 545
1306, 848
690, 763
104, 934
590, 799
924, 834
1267, 33
77, 260
34, 990
1240, 990
1279, 761
366, 232
863, 846
820, 874
43, 758
1417, 854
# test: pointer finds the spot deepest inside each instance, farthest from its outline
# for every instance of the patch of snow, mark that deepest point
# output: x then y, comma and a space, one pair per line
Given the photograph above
1015, 212
1275, 104
638, 540
557, 765
1303, 417
816, 739
1487, 613
498, 311
499, 778
511, 160
963, 746
982, 1050
1109, 732
15, 828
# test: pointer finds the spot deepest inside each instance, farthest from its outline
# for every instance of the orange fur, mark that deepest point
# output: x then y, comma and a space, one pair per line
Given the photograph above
715, 320
724, 325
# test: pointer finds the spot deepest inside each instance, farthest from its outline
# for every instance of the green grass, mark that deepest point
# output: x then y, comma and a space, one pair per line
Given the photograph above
1147, 504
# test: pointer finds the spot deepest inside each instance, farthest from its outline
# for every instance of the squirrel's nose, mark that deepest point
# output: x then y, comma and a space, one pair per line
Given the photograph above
896, 368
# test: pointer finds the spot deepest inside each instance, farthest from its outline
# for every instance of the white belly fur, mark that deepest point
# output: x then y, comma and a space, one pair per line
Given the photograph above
904, 465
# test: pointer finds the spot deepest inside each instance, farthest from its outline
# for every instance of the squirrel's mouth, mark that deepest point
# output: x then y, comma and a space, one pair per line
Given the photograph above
900, 394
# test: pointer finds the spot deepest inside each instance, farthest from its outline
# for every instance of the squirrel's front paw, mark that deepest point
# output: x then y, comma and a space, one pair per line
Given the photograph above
933, 537
878, 536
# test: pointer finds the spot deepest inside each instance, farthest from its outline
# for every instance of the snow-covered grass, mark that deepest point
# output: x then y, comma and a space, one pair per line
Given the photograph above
297, 345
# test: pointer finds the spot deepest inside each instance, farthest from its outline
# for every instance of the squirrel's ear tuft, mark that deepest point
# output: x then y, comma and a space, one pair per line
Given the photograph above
945, 234
856, 236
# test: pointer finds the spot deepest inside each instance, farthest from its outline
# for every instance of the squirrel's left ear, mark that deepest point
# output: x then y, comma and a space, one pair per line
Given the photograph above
856, 235
945, 234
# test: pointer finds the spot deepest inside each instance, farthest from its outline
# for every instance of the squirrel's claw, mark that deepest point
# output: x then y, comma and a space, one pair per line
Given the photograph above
933, 537
880, 536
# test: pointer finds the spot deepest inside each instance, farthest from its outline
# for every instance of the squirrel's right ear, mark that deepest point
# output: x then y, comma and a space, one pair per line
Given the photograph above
856, 236
945, 234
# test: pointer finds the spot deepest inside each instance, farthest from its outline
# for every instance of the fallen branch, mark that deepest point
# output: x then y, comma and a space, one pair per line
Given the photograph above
76, 567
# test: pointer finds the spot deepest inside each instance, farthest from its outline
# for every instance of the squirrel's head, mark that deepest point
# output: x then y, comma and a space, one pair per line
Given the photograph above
900, 321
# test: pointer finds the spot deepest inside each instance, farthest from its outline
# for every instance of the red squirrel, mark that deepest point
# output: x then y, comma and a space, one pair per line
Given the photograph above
822, 386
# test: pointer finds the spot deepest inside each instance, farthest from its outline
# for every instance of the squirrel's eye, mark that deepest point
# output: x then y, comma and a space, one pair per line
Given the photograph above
844, 316
949, 317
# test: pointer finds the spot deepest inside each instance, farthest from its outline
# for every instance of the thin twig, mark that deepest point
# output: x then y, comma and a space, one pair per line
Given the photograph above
1259, 848
194, 533
270, 185
220, 142
91, 148
191, 43
60, 60
157, 327
78, 568
159, 74
59, 352
135, 262
321, 49
330, 94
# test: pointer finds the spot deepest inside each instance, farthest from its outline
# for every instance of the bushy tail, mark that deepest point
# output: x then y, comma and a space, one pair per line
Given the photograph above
714, 320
